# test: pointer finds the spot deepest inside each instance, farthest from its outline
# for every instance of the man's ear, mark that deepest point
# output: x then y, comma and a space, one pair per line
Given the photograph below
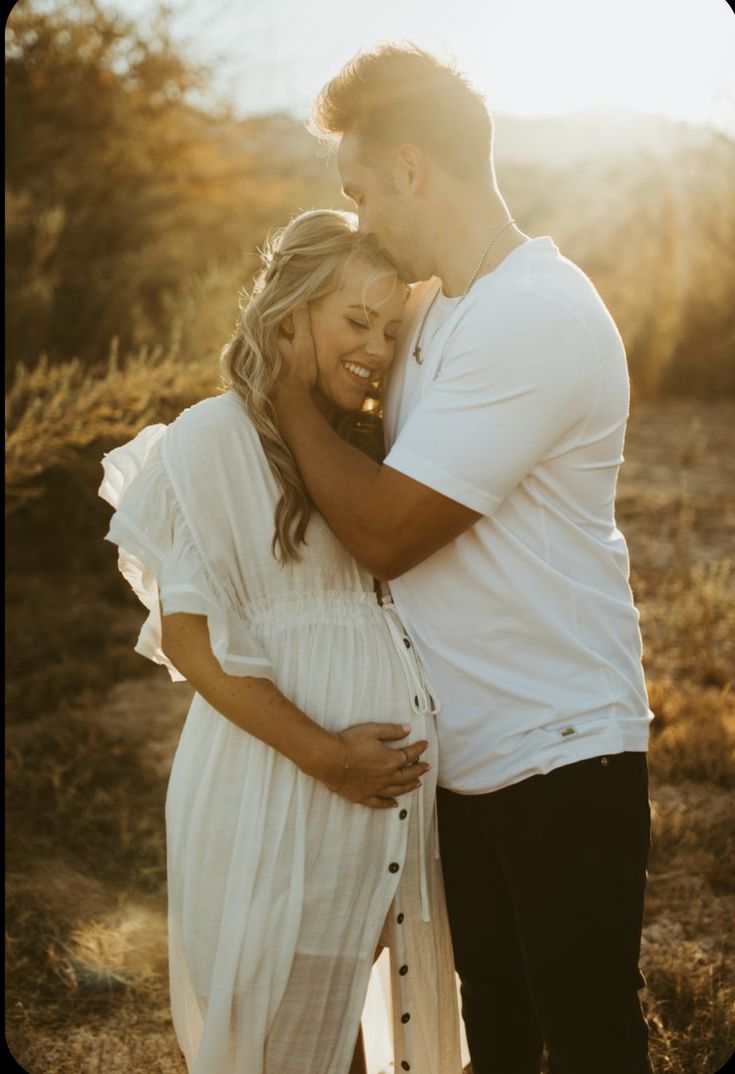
412, 168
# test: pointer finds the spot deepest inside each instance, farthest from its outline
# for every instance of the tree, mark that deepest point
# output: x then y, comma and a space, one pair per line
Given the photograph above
102, 143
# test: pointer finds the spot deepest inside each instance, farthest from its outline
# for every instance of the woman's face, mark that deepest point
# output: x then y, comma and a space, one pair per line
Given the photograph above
355, 331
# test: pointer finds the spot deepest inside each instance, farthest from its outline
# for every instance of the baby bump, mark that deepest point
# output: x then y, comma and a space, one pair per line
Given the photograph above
341, 674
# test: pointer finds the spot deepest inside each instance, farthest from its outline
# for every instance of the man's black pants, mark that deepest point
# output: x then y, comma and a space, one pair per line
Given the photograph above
545, 882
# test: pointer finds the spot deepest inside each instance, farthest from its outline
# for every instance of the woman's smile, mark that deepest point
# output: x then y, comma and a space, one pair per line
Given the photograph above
354, 331
360, 374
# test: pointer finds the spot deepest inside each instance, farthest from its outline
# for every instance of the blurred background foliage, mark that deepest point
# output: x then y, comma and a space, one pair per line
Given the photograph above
135, 205
136, 202
124, 201
133, 211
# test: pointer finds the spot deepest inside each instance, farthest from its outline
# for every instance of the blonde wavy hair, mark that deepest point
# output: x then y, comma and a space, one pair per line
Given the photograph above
301, 263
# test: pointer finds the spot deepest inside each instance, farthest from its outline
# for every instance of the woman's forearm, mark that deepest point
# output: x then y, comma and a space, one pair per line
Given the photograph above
357, 763
256, 705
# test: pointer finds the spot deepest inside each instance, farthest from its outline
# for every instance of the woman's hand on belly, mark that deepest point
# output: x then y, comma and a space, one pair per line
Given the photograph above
355, 763
370, 772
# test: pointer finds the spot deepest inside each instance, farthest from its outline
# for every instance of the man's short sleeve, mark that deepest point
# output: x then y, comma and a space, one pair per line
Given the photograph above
511, 390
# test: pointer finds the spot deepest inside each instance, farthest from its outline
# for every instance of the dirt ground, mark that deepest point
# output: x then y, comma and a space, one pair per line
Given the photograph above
86, 984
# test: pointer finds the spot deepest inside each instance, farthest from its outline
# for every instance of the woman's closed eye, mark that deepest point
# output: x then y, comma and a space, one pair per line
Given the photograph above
391, 336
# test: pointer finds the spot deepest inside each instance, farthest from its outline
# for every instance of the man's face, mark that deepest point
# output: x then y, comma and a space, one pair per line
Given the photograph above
382, 209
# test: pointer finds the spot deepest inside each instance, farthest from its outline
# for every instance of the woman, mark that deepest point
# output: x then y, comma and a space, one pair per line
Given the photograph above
286, 868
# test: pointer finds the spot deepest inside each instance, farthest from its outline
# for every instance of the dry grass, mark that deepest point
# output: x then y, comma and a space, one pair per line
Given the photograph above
677, 508
89, 748
86, 949
52, 412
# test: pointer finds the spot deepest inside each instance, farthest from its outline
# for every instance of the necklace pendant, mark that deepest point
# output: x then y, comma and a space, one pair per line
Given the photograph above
417, 354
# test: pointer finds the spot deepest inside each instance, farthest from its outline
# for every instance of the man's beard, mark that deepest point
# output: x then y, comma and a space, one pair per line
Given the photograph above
404, 269
407, 273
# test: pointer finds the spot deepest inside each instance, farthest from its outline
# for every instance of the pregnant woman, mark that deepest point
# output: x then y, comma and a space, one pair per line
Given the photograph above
300, 810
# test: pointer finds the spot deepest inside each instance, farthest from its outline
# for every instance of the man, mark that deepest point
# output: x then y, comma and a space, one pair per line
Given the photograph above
493, 517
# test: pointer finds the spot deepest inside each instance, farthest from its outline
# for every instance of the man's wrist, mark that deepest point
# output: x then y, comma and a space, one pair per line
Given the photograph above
292, 393
293, 410
291, 401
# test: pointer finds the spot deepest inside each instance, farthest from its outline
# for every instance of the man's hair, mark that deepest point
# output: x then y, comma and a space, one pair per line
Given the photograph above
395, 95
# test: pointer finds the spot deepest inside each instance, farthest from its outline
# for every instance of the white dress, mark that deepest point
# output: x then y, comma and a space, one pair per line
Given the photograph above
279, 890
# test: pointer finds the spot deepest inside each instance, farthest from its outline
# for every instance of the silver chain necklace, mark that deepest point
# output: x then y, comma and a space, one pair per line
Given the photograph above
475, 274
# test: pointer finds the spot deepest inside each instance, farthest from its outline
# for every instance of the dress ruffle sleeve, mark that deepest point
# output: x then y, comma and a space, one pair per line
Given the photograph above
160, 559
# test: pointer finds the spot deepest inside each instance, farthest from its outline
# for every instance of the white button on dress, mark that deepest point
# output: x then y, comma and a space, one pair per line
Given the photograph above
279, 890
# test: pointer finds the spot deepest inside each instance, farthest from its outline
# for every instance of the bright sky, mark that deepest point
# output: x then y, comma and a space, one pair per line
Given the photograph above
530, 57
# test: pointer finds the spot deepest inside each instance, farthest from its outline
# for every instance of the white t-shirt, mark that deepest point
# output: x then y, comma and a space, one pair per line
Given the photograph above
526, 621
